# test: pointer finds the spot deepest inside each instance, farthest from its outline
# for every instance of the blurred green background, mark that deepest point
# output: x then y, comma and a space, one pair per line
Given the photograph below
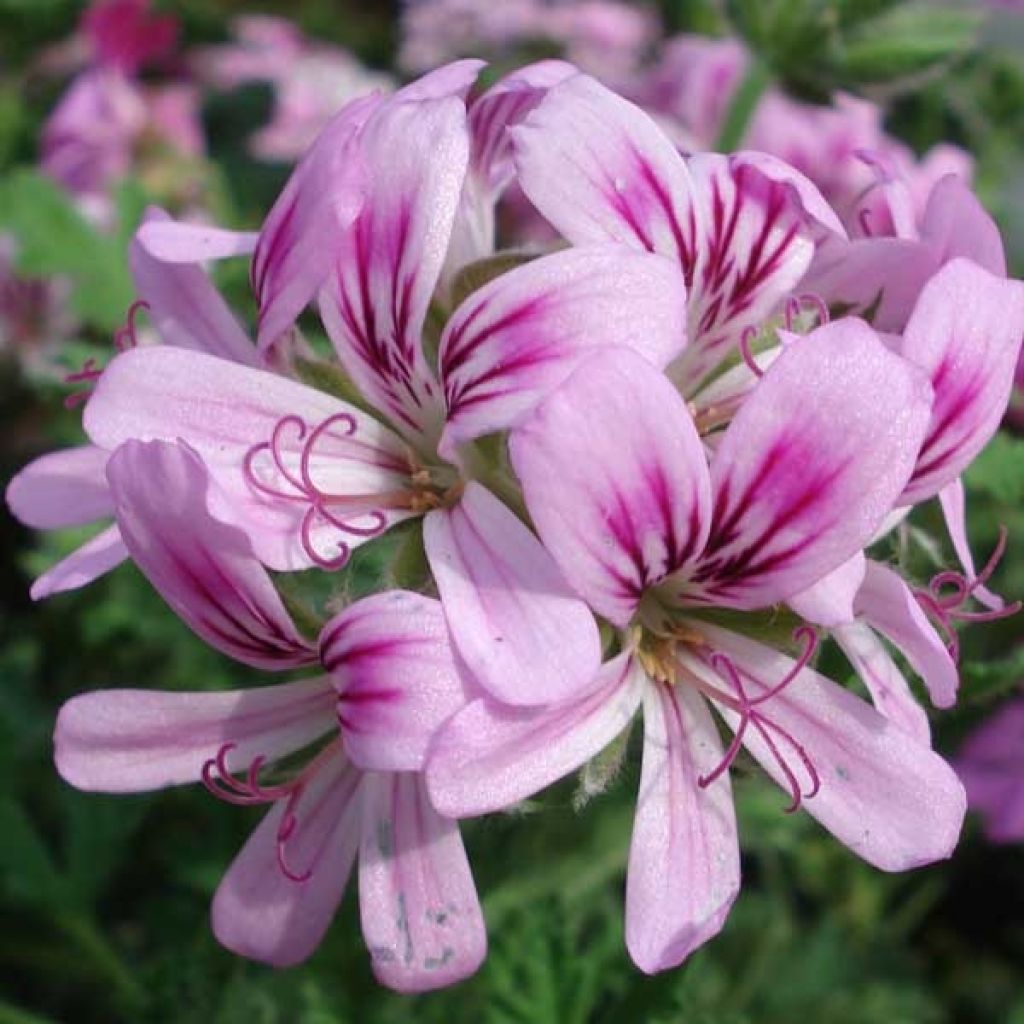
105, 899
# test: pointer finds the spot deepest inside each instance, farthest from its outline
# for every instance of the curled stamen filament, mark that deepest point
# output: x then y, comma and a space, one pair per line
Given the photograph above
124, 339
747, 708
796, 304
949, 591
217, 778
746, 337
324, 507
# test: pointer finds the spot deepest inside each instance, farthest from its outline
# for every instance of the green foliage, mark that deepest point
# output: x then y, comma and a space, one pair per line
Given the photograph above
54, 239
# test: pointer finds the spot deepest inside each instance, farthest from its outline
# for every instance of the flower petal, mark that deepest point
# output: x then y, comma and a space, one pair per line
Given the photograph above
519, 337
956, 224
204, 569
830, 601
684, 859
615, 479
887, 603
600, 170
185, 307
953, 502
892, 801
224, 411
392, 664
64, 488
522, 633
128, 741
261, 913
885, 683
171, 241
299, 240
965, 332
810, 466
95, 557
419, 908
753, 247
490, 756
388, 262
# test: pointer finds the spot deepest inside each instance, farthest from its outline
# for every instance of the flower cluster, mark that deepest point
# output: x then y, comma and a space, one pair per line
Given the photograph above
647, 474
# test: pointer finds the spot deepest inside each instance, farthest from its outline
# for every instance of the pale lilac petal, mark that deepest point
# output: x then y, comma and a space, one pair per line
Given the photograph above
885, 683
420, 912
171, 241
261, 913
127, 741
300, 238
888, 604
204, 569
95, 557
956, 224
876, 278
892, 801
830, 601
501, 107
953, 502
64, 488
454, 79
393, 667
388, 262
810, 466
965, 332
490, 756
224, 410
184, 306
815, 205
517, 338
684, 858
600, 170
753, 247
522, 633
616, 480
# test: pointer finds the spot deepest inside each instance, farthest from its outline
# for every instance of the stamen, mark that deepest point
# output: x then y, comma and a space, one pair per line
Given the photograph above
747, 708
303, 489
124, 339
817, 304
949, 591
864, 219
217, 778
746, 337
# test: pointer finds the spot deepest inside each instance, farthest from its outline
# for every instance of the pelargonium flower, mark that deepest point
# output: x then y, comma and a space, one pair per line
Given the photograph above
69, 488
309, 476
390, 680
658, 542
991, 765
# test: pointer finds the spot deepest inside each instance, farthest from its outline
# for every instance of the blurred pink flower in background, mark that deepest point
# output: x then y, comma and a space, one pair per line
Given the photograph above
311, 81
108, 120
991, 765
606, 37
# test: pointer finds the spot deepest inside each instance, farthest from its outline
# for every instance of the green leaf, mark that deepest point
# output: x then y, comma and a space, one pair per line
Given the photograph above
908, 40
29, 872
999, 470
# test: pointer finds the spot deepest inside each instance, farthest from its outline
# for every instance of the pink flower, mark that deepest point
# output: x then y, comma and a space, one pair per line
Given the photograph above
122, 34
654, 539
311, 81
991, 764
69, 488
391, 681
309, 476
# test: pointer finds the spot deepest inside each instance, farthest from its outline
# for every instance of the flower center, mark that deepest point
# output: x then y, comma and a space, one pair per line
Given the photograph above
282, 469
663, 657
